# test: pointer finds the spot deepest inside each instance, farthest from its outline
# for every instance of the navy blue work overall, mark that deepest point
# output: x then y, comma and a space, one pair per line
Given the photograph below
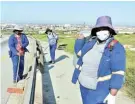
12, 42
52, 38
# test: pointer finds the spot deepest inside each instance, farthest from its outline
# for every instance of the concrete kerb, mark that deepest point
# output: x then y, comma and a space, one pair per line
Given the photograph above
29, 92
38, 62
29, 95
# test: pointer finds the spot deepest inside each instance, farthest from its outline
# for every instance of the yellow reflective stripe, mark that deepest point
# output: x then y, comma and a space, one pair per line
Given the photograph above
79, 53
119, 72
104, 78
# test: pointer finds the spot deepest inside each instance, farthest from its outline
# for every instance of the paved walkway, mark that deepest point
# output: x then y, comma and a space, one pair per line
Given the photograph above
57, 86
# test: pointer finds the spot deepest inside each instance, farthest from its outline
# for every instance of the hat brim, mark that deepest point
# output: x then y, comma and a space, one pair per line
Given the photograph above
109, 27
17, 30
48, 30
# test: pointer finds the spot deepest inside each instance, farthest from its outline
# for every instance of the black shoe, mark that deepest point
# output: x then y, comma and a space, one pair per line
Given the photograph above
25, 75
53, 62
21, 77
50, 62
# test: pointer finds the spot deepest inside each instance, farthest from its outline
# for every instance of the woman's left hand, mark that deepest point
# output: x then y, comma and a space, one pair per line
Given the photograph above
110, 99
80, 36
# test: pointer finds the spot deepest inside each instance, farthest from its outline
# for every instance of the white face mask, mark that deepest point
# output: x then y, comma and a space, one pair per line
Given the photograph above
103, 35
49, 33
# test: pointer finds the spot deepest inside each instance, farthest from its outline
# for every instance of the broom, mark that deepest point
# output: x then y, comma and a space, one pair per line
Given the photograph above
15, 89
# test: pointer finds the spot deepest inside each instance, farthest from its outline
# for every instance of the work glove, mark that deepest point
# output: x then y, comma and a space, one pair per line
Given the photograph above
110, 99
80, 36
18, 54
85, 33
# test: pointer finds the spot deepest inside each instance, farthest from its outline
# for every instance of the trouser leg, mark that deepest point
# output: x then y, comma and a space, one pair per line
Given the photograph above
15, 61
21, 67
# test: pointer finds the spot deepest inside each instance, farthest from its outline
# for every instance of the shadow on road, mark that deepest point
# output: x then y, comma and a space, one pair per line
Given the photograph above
48, 92
50, 67
61, 58
25, 76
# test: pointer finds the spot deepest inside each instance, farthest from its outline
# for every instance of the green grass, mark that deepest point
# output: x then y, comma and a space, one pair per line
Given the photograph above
130, 63
41, 37
62, 39
70, 44
130, 73
126, 39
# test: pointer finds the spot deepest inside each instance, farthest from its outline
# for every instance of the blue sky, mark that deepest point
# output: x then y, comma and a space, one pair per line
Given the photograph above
122, 13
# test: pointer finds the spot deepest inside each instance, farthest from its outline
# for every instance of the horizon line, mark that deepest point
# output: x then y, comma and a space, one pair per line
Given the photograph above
91, 24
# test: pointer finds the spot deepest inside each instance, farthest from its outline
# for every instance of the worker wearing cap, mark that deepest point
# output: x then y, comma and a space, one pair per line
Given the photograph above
17, 44
101, 66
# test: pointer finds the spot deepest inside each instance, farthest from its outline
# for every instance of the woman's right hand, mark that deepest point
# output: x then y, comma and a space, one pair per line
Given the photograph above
18, 54
80, 36
83, 34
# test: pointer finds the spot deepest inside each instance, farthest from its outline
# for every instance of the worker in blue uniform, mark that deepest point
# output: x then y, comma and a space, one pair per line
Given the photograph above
17, 44
101, 66
53, 41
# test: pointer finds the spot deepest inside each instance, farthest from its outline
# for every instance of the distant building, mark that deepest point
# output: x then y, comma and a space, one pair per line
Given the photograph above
67, 25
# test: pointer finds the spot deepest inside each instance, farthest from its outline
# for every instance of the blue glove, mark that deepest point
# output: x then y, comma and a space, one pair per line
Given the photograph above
75, 75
